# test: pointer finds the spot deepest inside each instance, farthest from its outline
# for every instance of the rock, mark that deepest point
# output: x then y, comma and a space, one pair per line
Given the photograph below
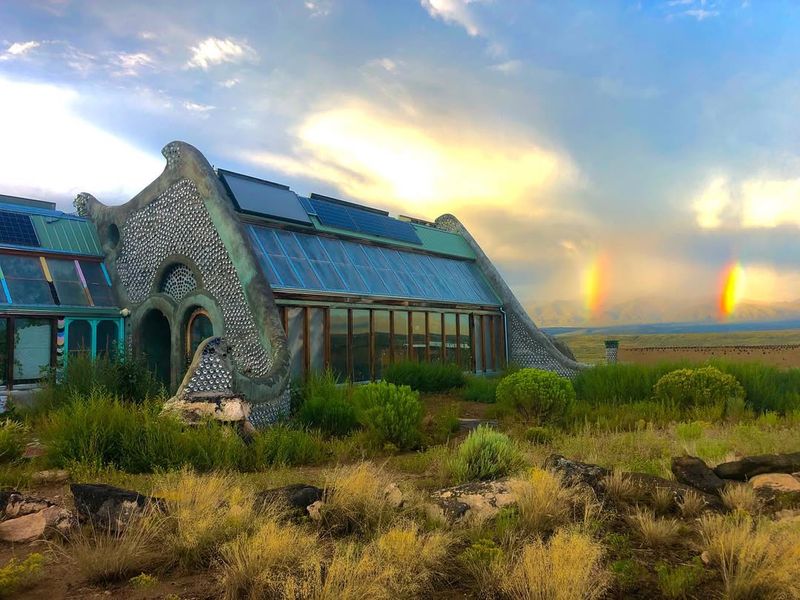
315, 510
394, 496
750, 466
228, 410
695, 473
574, 472
297, 497
19, 505
33, 450
646, 485
474, 502
109, 507
779, 490
50, 476
33, 526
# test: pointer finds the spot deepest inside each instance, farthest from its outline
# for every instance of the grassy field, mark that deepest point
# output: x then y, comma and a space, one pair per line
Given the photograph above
590, 348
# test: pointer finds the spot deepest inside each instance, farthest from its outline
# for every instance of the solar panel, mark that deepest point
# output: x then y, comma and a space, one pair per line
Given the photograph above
264, 197
17, 229
362, 220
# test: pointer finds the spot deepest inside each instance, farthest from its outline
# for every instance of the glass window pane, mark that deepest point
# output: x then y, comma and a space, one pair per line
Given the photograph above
465, 342
79, 337
479, 364
296, 322
25, 280
107, 338
67, 282
285, 271
380, 322
487, 342
400, 335
435, 336
338, 334
3, 351
360, 348
451, 341
418, 341
99, 289
32, 338
200, 328
316, 338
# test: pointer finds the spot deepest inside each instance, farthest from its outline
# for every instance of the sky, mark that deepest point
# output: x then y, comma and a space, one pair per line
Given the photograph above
600, 151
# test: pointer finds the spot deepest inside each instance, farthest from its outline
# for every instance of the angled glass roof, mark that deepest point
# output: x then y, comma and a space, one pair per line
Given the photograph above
307, 262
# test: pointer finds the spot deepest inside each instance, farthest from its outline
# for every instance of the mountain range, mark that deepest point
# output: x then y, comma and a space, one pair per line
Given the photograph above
567, 313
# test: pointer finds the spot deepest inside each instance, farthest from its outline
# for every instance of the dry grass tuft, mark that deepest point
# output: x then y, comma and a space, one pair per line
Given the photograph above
401, 563
205, 512
741, 497
692, 505
544, 503
356, 500
276, 556
568, 567
103, 556
755, 557
653, 531
663, 500
619, 488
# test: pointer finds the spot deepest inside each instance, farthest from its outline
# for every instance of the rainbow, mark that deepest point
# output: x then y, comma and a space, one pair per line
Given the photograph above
595, 284
733, 281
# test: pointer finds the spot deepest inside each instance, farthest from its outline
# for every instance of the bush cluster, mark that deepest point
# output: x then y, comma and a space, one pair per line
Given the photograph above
485, 454
536, 396
706, 386
100, 430
425, 377
326, 405
480, 389
391, 414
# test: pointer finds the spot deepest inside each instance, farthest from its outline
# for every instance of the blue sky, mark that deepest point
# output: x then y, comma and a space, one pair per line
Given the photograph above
648, 144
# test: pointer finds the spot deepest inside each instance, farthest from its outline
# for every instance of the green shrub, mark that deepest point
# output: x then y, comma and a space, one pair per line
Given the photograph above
536, 396
438, 427
766, 387
425, 377
538, 435
284, 446
391, 414
480, 389
100, 430
126, 378
12, 440
615, 417
679, 581
701, 387
326, 405
620, 383
485, 454
16, 574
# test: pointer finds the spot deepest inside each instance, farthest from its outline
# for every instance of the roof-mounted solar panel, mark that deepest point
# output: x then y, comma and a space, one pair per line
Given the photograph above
17, 229
343, 215
261, 197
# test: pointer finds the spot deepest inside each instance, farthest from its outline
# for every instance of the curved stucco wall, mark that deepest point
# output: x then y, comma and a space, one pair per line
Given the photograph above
184, 217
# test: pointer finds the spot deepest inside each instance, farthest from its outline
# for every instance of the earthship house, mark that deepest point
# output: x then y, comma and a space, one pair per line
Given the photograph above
232, 286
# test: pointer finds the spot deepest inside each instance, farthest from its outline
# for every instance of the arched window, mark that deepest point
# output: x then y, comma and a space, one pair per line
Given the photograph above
198, 328
79, 337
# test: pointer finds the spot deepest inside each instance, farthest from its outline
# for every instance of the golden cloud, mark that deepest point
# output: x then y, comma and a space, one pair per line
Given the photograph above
423, 170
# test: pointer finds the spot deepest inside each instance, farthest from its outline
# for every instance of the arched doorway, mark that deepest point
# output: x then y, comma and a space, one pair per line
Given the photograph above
155, 344
198, 328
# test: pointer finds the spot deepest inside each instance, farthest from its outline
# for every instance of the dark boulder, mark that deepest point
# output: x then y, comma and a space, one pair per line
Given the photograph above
574, 472
297, 497
745, 468
695, 473
110, 508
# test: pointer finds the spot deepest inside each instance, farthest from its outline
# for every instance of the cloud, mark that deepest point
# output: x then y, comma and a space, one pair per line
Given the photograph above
695, 9
18, 49
456, 12
387, 64
201, 109
57, 153
417, 167
753, 203
229, 83
131, 63
507, 67
318, 8
215, 51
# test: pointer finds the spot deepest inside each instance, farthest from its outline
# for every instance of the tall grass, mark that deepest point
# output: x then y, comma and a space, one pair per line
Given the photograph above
425, 377
12, 440
486, 454
326, 405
